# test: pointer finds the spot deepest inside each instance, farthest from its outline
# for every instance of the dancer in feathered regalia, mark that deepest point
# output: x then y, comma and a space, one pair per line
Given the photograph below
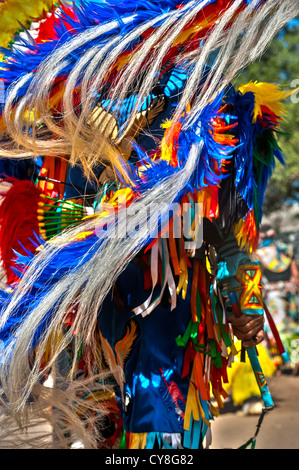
133, 177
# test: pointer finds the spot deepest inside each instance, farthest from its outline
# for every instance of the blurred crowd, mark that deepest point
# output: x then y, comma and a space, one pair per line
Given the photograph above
280, 280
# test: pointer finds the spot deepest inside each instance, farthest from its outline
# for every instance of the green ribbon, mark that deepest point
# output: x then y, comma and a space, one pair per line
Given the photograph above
122, 444
251, 441
190, 333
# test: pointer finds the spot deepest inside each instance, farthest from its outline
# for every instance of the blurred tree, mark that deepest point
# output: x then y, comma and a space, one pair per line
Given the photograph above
280, 65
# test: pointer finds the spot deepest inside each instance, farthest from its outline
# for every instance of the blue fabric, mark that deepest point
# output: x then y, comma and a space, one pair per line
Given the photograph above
19, 169
77, 186
151, 407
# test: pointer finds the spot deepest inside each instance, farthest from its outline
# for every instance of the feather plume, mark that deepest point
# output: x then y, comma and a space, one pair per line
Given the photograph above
123, 346
116, 361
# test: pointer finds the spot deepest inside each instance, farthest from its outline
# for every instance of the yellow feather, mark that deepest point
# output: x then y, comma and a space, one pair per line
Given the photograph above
116, 361
25, 11
266, 94
124, 346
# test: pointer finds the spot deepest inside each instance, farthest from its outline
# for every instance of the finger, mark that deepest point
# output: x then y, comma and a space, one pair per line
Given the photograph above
251, 328
257, 339
249, 331
244, 319
248, 324
247, 334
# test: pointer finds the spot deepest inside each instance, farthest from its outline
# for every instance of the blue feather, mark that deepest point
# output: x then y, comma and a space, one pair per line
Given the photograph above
204, 174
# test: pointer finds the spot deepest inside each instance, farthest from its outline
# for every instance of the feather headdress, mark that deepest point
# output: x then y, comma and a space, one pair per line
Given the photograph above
98, 49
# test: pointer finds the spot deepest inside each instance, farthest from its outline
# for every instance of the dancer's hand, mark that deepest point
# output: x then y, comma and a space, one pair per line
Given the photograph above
248, 328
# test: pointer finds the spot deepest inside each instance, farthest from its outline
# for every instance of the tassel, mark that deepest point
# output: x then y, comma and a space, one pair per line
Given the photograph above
252, 440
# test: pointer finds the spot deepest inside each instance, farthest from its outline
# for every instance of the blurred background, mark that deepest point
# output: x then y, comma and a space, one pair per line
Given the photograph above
280, 65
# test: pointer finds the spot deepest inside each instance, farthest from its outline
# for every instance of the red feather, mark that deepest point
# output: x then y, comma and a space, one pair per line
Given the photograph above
47, 26
18, 222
